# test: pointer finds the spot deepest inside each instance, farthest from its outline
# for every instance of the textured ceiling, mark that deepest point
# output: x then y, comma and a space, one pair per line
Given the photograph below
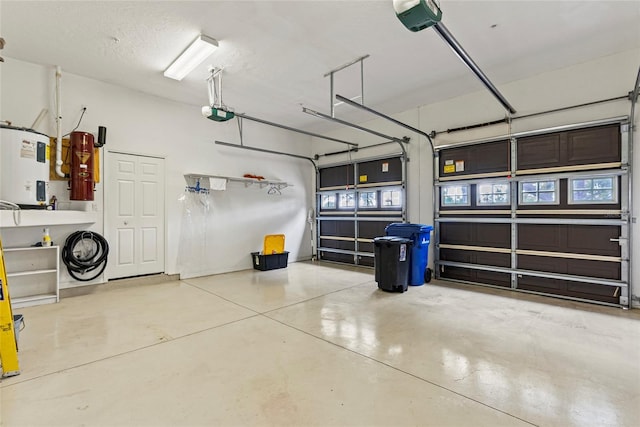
275, 53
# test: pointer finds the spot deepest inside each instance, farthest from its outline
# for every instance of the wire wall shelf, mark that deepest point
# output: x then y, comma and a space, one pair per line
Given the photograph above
203, 182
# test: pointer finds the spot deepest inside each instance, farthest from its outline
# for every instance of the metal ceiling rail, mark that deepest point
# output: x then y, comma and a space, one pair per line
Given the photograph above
540, 113
464, 56
384, 116
348, 64
404, 151
263, 150
278, 125
342, 122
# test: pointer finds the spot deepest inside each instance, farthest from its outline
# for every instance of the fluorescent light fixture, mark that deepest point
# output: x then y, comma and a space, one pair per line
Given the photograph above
198, 51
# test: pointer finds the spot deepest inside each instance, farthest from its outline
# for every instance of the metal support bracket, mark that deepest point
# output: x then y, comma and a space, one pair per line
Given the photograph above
332, 73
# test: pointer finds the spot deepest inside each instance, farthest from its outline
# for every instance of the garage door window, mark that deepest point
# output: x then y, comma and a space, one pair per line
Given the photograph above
493, 193
455, 195
391, 198
328, 201
347, 200
539, 192
593, 190
368, 199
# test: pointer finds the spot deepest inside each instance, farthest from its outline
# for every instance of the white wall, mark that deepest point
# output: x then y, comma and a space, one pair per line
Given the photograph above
606, 77
144, 124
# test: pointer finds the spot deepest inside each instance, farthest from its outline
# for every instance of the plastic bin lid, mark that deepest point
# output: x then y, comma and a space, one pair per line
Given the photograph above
273, 244
408, 226
392, 239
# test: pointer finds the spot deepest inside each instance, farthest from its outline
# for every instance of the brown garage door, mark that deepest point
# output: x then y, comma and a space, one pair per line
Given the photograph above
356, 201
544, 212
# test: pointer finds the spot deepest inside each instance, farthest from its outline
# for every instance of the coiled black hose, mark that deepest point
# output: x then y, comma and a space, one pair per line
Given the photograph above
84, 252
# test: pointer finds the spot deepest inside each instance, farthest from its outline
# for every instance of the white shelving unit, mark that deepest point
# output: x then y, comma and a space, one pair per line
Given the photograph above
33, 275
40, 218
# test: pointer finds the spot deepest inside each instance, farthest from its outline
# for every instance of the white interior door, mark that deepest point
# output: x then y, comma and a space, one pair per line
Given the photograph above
134, 199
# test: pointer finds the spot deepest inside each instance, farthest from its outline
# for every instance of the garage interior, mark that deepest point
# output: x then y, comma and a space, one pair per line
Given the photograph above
507, 126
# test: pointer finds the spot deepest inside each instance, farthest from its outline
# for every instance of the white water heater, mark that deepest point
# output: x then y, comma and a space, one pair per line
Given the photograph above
24, 167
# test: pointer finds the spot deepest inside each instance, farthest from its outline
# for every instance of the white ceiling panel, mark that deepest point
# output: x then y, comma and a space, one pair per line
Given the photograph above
275, 53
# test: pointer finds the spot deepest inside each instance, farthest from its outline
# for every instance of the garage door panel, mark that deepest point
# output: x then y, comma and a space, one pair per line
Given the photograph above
476, 234
371, 229
589, 289
337, 228
367, 261
346, 228
343, 258
380, 171
449, 157
490, 258
456, 233
477, 276
455, 255
328, 228
590, 239
541, 284
539, 151
337, 244
458, 273
476, 257
571, 148
588, 146
336, 176
492, 235
540, 237
571, 289
591, 268
571, 238
491, 157
366, 247
574, 267
541, 263
493, 278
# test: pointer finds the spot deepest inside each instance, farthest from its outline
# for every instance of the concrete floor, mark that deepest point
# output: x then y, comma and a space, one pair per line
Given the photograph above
320, 345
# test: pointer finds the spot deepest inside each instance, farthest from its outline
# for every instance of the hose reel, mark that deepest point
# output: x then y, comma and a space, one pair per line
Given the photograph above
85, 252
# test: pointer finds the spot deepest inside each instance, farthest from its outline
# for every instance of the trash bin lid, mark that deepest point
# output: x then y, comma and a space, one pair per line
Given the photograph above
407, 228
392, 240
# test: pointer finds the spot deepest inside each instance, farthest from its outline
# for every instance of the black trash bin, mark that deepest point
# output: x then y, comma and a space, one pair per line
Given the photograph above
392, 262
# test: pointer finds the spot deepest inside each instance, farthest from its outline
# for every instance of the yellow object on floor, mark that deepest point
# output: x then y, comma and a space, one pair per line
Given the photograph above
8, 344
273, 244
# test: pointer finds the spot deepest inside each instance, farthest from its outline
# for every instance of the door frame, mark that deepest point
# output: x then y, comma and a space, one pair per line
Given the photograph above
106, 219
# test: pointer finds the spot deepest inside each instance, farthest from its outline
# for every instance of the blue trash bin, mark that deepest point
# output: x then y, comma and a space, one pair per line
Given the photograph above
421, 236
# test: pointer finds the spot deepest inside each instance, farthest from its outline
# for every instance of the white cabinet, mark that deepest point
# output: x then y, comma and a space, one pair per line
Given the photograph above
32, 275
